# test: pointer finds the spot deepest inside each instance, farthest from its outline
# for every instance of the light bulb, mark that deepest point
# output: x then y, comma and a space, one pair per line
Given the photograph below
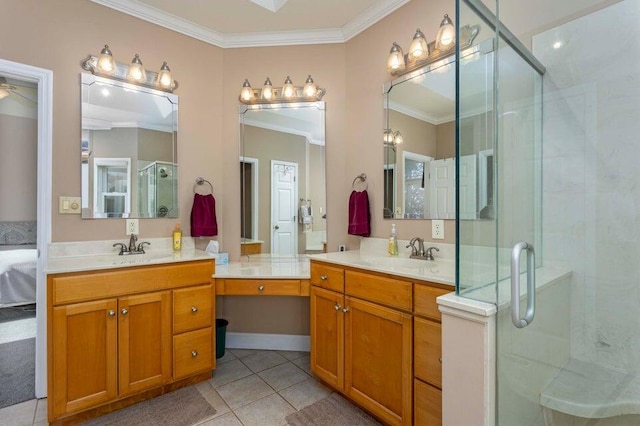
397, 138
310, 89
267, 90
165, 79
419, 48
246, 93
288, 91
387, 137
4, 93
396, 58
106, 63
137, 71
446, 34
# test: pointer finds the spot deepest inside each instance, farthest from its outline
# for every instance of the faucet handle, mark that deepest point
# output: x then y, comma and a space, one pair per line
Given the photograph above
429, 253
141, 246
123, 247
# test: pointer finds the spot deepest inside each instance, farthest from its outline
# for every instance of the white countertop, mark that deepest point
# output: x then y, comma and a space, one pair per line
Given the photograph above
265, 268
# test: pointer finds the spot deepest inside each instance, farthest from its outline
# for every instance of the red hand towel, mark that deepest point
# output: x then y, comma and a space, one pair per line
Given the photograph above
359, 214
203, 216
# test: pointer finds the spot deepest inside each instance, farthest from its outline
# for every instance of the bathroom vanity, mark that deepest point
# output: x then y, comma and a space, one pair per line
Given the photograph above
375, 334
124, 330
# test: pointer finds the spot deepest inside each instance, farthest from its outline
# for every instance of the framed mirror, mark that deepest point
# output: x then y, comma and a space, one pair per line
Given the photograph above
419, 149
129, 164
282, 175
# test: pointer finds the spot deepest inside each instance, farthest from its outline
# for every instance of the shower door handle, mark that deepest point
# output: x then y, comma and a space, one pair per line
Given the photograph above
515, 285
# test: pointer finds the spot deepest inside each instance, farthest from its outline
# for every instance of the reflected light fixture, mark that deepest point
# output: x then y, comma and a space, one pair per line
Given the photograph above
4, 93
105, 65
287, 93
423, 53
391, 138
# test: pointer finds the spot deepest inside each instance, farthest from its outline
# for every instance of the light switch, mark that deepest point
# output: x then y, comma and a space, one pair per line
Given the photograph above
69, 205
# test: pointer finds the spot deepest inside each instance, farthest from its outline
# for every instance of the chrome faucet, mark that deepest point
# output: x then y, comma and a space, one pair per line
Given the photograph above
132, 249
419, 252
429, 253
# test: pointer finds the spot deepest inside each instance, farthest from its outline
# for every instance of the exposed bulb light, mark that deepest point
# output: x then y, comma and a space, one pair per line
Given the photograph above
396, 58
4, 93
310, 88
136, 70
557, 45
446, 37
165, 79
246, 93
267, 90
105, 92
397, 138
288, 91
106, 63
419, 48
387, 136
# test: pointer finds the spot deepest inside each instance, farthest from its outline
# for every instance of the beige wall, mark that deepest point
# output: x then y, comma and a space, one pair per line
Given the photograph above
446, 137
18, 165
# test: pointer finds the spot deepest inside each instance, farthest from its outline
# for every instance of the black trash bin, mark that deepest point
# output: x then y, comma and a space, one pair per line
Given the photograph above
221, 333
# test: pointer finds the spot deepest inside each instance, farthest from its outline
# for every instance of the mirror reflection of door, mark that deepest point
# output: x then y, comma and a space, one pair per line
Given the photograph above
416, 185
284, 228
249, 202
112, 197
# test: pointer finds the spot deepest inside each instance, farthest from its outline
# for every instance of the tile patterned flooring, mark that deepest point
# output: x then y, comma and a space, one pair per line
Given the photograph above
248, 387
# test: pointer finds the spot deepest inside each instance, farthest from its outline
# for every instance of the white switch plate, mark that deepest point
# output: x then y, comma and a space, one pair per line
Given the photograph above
132, 226
437, 229
69, 205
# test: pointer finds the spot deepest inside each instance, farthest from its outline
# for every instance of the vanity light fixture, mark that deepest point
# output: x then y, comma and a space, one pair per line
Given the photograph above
105, 65
422, 53
287, 93
391, 138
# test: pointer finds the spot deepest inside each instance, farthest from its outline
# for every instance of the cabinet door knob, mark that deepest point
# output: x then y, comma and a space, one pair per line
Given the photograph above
124, 311
440, 359
345, 310
337, 307
323, 277
194, 309
194, 354
260, 287
112, 313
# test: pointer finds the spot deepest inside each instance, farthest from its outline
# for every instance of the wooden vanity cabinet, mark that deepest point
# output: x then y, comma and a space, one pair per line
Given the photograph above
112, 334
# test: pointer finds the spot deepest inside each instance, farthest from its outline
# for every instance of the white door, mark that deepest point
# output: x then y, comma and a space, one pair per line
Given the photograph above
467, 184
442, 198
284, 193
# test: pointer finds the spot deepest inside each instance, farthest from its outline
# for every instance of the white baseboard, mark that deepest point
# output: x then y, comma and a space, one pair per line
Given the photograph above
281, 342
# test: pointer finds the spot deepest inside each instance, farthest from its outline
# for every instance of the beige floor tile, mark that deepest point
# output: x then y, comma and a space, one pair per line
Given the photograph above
229, 372
228, 419
305, 393
41, 411
269, 411
228, 356
213, 398
291, 355
241, 353
304, 363
283, 376
263, 360
244, 391
19, 414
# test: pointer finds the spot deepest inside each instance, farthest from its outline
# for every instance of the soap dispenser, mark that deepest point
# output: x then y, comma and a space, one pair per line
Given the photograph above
177, 238
393, 241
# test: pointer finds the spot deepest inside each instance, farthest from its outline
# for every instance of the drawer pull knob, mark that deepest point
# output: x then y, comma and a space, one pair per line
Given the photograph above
345, 310
260, 287
440, 359
112, 313
194, 309
323, 277
124, 311
337, 307
194, 354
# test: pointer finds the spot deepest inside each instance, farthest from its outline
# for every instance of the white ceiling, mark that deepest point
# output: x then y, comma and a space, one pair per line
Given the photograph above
245, 23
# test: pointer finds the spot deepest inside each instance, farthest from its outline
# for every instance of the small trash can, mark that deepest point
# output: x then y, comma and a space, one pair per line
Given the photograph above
221, 333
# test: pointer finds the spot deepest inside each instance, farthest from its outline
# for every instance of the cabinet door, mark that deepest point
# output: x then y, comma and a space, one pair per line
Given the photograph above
378, 349
327, 336
84, 355
144, 341
427, 337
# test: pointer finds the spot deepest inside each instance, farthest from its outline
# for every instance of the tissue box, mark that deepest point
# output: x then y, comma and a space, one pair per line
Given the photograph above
222, 258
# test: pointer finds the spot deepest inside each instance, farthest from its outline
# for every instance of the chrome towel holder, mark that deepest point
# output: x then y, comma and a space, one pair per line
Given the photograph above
362, 177
202, 181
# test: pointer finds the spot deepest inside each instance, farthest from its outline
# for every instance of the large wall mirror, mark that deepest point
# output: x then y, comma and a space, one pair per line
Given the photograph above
282, 174
129, 163
419, 149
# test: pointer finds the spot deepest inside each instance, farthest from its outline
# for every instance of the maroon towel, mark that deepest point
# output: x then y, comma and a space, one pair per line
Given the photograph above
203, 216
359, 214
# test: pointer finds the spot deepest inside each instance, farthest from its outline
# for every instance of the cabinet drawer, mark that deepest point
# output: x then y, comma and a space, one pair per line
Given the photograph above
427, 346
258, 287
192, 352
329, 277
192, 308
425, 301
387, 291
427, 404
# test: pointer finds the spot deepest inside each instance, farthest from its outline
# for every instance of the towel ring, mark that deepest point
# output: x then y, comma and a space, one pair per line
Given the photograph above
362, 178
202, 181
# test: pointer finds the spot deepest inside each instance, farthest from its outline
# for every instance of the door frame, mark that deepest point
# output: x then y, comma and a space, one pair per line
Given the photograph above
295, 198
44, 79
254, 162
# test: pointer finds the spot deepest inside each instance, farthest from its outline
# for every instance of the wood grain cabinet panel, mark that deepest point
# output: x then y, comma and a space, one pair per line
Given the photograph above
427, 337
425, 301
386, 291
327, 336
192, 308
258, 287
192, 352
329, 277
428, 404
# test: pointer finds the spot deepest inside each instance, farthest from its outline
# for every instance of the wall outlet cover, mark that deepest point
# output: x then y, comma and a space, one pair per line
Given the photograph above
437, 229
132, 226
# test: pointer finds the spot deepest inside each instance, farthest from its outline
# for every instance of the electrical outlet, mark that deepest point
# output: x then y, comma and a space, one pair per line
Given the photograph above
342, 247
132, 226
437, 229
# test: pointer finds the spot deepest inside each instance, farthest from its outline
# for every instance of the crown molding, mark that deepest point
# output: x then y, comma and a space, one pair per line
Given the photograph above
421, 115
259, 39
272, 5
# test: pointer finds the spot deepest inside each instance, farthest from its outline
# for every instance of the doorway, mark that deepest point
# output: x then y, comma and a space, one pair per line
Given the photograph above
284, 193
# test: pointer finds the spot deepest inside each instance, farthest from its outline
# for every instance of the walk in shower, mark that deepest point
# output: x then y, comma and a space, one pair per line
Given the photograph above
549, 102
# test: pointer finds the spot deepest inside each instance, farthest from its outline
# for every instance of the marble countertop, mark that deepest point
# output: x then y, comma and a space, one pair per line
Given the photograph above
266, 267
